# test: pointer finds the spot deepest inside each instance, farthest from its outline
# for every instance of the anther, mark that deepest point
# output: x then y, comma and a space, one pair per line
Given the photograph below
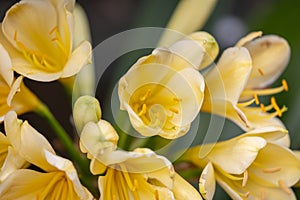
284, 187
275, 106
262, 107
262, 195
135, 184
177, 99
174, 110
260, 71
256, 99
54, 39
272, 170
245, 179
285, 85
53, 30
156, 195
143, 111
15, 36
143, 98
246, 195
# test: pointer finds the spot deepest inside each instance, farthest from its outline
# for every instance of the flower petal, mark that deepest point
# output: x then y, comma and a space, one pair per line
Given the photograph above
207, 182
6, 71
270, 56
80, 57
184, 190
228, 79
188, 17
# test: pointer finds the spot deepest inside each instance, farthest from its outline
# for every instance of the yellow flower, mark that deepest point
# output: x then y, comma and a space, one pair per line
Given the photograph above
162, 92
140, 174
237, 81
38, 38
59, 179
14, 94
249, 166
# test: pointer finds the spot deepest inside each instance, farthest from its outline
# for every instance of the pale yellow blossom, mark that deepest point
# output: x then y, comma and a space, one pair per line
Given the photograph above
38, 38
59, 179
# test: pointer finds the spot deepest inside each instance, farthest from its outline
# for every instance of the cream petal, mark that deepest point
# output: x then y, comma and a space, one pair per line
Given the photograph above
13, 129
80, 57
86, 109
288, 165
12, 163
207, 182
183, 190
14, 89
228, 79
188, 17
32, 147
164, 176
6, 71
270, 56
32, 30
97, 167
67, 166
251, 36
235, 156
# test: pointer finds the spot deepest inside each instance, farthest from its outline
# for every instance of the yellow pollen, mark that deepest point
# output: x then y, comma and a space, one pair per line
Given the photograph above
256, 99
275, 106
245, 179
262, 107
148, 93
285, 85
143, 111
272, 170
177, 99
260, 71
156, 195
284, 187
15, 36
53, 30
174, 110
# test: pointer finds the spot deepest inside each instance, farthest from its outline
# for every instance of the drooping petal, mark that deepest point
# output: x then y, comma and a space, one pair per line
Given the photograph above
207, 182
270, 56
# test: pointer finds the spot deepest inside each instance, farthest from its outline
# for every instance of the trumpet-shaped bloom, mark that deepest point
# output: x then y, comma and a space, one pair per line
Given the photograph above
59, 179
14, 94
248, 166
230, 86
162, 93
38, 38
140, 174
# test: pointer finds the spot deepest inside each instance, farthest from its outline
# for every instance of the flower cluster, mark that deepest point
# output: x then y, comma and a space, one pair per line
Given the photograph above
162, 95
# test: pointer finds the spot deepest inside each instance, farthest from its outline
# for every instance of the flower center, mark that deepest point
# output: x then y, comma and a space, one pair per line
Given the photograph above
154, 104
40, 59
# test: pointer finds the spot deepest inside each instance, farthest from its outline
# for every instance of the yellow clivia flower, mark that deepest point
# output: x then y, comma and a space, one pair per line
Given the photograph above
38, 38
14, 94
240, 77
250, 166
59, 179
163, 92
140, 174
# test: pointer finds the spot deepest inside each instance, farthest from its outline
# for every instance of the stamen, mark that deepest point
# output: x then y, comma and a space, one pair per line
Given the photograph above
177, 99
53, 30
262, 107
284, 187
247, 103
15, 36
156, 195
272, 170
246, 195
245, 179
264, 92
143, 111
174, 110
275, 106
143, 98
260, 71
135, 184
54, 39
256, 99
285, 85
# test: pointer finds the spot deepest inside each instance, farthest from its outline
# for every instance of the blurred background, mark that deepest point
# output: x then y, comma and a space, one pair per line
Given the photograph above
230, 20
